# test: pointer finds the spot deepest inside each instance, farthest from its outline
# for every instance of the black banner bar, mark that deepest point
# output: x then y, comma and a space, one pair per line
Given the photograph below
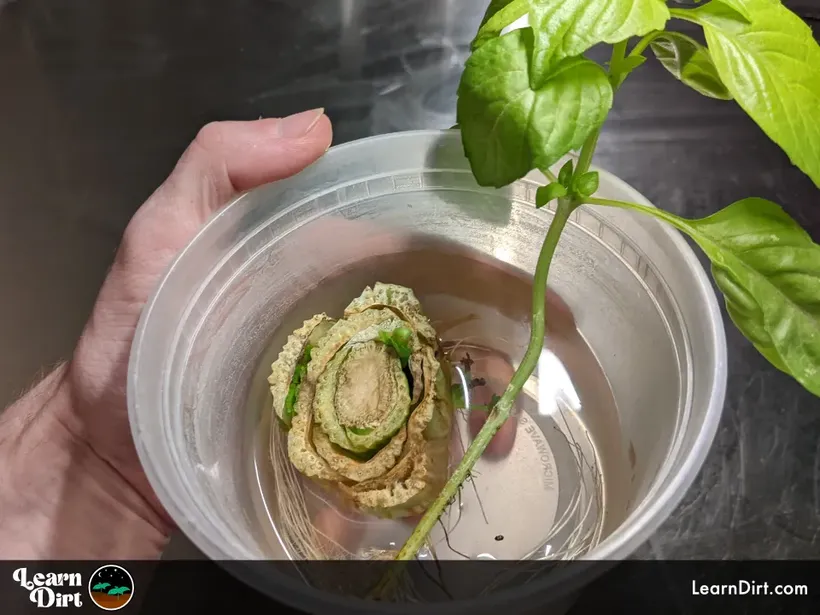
474, 587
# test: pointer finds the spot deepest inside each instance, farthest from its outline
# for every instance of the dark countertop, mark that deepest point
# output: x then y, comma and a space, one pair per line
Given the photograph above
99, 99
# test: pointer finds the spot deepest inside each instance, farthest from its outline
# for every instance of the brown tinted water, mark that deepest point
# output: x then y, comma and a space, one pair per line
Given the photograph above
555, 479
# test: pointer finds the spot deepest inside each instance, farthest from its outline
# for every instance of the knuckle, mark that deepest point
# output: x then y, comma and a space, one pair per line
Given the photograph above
209, 136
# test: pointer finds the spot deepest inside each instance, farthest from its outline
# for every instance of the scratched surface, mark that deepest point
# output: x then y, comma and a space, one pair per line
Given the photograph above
99, 98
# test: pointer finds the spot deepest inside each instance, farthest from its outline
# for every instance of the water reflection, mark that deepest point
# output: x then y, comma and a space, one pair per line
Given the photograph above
554, 386
550, 387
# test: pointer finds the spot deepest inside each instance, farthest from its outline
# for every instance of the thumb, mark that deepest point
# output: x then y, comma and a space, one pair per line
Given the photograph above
225, 159
236, 156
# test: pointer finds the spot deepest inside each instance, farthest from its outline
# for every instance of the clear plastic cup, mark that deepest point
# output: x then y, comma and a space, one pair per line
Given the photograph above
638, 294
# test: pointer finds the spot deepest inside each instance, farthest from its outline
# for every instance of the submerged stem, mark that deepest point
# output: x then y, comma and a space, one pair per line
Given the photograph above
502, 409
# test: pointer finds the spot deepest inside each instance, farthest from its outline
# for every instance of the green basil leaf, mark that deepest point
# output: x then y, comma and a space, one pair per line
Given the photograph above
690, 62
718, 14
768, 269
568, 28
508, 127
499, 15
586, 184
565, 174
771, 66
739, 6
547, 193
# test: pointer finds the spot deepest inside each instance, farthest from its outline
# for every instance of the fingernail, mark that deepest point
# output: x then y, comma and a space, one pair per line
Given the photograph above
299, 124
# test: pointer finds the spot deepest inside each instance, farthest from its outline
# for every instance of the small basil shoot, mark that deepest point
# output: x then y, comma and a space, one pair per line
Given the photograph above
565, 174
529, 97
547, 193
586, 184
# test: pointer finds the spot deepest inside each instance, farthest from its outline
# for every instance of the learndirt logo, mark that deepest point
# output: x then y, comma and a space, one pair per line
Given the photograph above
110, 588
51, 589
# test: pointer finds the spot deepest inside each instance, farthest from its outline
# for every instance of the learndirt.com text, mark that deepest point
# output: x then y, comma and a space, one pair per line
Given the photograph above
748, 588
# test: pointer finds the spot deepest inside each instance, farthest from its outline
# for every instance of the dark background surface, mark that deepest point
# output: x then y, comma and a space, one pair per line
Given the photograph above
99, 98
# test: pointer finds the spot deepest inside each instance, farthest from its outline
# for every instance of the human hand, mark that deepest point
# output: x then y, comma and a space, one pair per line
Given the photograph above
68, 465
